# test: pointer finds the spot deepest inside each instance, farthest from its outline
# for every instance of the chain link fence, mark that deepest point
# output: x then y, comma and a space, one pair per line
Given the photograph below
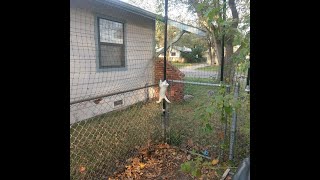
114, 76
188, 121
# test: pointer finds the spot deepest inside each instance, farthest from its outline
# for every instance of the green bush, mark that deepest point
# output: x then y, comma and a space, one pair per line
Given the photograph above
195, 56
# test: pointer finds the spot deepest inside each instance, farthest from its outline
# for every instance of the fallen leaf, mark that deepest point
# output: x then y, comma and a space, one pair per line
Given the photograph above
189, 157
135, 161
142, 165
82, 169
190, 142
221, 135
165, 145
215, 161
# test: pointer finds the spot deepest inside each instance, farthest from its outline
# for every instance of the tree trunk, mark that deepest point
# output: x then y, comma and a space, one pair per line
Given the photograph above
215, 60
228, 69
218, 50
230, 66
210, 52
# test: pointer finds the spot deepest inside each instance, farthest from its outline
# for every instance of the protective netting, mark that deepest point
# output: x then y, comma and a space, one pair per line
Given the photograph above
114, 76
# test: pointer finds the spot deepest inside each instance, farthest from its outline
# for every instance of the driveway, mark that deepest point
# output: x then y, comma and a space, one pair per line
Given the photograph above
191, 71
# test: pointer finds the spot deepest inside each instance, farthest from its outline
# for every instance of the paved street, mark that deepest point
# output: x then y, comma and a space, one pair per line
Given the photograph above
191, 71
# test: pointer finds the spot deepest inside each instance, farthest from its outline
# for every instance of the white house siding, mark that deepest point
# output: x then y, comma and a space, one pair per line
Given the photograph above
176, 57
86, 80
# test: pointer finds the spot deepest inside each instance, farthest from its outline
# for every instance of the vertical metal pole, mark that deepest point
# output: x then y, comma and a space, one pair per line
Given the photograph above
147, 92
165, 65
234, 123
248, 82
226, 120
221, 74
225, 125
222, 43
248, 77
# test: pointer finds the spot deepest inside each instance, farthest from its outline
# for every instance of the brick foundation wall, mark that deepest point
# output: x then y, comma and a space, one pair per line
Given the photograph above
175, 90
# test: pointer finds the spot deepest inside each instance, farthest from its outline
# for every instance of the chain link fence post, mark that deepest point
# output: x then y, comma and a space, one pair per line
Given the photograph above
233, 123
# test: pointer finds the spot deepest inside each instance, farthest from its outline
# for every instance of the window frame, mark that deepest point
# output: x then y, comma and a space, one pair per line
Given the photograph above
175, 54
123, 45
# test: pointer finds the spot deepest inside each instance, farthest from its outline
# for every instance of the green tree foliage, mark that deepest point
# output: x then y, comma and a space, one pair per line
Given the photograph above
235, 26
191, 40
195, 56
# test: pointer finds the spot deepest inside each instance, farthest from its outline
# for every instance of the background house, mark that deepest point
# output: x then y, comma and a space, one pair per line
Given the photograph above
175, 53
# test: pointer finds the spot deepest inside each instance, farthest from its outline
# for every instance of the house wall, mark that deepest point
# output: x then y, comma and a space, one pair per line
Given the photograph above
177, 57
87, 80
172, 50
177, 53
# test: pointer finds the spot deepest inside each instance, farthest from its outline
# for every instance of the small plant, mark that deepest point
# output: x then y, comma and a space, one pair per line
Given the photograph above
193, 167
221, 103
186, 167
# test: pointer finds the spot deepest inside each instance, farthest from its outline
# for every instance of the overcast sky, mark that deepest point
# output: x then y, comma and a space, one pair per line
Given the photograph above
179, 13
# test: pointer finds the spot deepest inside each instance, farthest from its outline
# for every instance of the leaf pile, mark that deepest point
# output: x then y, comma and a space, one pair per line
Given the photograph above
160, 161
154, 162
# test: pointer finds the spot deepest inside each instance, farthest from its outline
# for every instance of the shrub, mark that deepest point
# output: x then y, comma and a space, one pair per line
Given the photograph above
195, 56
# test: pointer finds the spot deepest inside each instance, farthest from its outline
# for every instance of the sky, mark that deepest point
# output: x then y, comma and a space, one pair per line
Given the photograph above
179, 13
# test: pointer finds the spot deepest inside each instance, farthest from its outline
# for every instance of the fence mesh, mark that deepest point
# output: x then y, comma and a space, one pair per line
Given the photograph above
114, 76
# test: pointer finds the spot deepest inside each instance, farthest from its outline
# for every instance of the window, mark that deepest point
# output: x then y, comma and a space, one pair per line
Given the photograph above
111, 43
173, 53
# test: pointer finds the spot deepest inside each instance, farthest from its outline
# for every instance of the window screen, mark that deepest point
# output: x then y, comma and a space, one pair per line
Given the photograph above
111, 43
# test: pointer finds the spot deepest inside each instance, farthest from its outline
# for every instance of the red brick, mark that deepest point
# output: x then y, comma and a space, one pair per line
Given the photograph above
176, 90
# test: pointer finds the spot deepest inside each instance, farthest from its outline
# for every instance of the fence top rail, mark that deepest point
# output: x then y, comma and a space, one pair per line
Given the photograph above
110, 94
197, 83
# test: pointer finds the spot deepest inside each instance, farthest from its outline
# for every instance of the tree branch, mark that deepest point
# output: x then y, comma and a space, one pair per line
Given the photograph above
234, 12
237, 52
216, 48
174, 40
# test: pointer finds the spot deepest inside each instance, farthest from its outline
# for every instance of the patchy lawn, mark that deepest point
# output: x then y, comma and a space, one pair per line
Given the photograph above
184, 123
181, 65
201, 80
209, 68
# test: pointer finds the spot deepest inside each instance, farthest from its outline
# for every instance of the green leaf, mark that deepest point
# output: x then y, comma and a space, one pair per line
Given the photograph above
207, 164
209, 14
199, 159
196, 173
228, 110
219, 99
210, 110
208, 127
186, 167
200, 7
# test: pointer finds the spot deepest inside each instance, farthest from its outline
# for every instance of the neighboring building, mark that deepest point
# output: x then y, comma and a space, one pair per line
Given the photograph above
175, 53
